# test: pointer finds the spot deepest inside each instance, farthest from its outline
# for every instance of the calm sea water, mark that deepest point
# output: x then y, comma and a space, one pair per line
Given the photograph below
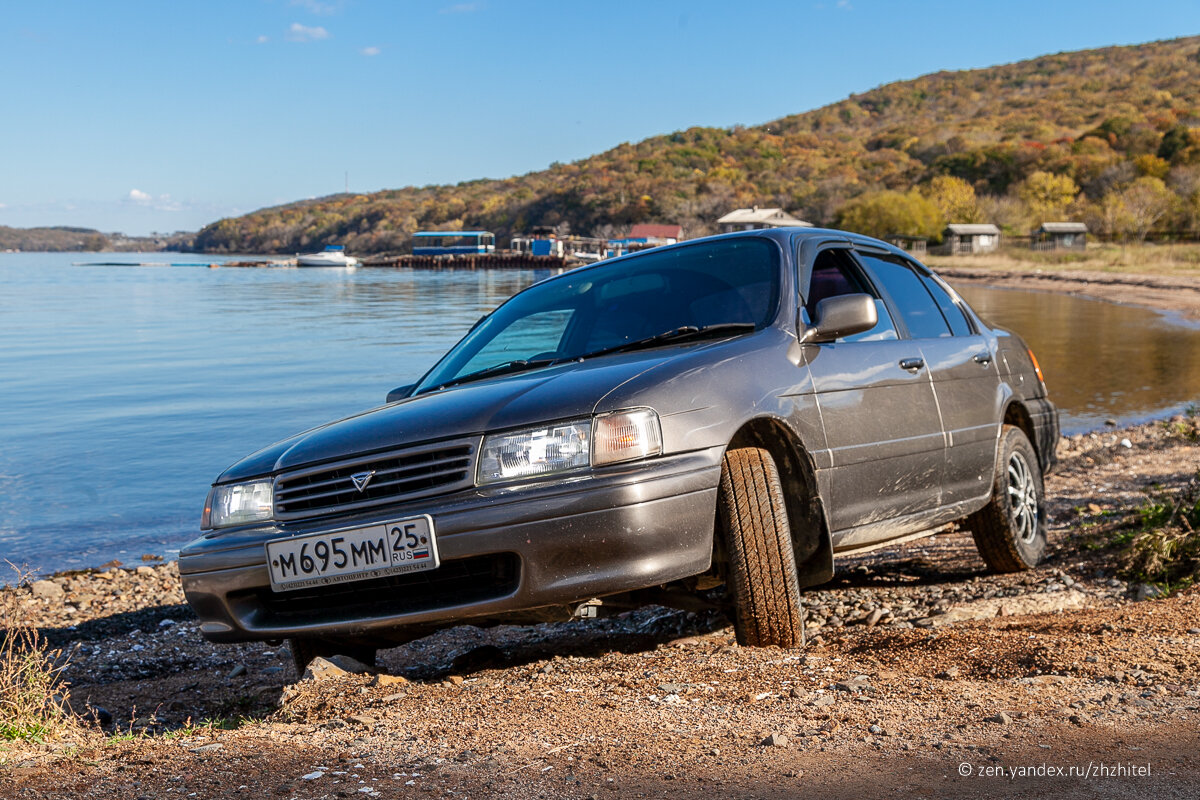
125, 390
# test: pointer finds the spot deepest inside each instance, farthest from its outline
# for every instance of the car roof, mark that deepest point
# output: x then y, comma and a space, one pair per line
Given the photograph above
785, 236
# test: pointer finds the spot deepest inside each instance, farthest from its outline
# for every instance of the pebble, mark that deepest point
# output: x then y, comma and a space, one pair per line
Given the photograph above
211, 747
775, 740
1000, 718
46, 589
855, 685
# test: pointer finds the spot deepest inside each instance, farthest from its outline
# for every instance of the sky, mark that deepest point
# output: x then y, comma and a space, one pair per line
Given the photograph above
164, 116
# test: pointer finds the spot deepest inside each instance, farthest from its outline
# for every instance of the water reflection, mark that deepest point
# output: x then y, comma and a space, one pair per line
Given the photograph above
1101, 360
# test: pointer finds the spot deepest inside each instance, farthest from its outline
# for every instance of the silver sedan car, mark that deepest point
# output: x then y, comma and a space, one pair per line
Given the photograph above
705, 423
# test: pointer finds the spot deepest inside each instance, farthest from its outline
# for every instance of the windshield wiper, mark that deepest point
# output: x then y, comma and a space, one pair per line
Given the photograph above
674, 336
507, 368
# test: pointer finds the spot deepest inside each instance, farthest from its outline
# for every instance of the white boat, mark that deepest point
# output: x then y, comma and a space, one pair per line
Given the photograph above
332, 256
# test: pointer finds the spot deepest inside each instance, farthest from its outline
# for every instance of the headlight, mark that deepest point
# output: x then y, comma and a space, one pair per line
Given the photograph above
238, 504
535, 451
548, 449
626, 436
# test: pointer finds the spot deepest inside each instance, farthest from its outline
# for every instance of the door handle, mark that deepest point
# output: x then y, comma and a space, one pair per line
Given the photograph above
983, 359
912, 364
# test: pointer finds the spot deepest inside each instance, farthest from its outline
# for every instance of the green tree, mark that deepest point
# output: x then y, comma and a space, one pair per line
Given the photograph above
1047, 195
955, 197
881, 214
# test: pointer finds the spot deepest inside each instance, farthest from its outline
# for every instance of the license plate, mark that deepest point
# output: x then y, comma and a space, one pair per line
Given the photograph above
357, 554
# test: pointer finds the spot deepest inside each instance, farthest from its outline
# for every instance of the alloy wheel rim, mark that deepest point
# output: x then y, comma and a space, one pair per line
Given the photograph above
1022, 498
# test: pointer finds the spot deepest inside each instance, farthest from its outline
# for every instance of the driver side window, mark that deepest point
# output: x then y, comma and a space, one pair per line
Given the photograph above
834, 273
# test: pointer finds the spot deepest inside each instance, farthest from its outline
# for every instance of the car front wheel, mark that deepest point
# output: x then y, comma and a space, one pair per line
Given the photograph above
762, 566
1010, 531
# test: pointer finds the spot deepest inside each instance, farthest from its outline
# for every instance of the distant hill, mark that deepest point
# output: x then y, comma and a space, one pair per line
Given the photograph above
63, 239
1104, 119
58, 239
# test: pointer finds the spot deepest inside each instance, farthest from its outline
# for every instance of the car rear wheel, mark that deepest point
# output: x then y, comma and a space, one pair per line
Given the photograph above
304, 650
762, 566
1010, 531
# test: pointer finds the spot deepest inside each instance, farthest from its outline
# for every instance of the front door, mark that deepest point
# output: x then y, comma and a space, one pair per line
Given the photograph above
883, 432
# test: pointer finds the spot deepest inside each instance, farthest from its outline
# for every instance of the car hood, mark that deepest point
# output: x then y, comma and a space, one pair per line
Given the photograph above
567, 390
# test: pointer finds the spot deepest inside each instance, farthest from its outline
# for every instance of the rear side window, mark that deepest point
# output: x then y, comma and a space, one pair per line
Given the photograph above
950, 310
920, 313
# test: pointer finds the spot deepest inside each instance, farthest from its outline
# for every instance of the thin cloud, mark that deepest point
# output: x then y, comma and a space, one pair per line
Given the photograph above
162, 202
370, 51
262, 39
304, 33
462, 8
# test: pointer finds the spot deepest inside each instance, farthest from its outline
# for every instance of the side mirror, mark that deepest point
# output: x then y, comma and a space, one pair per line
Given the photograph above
400, 392
841, 316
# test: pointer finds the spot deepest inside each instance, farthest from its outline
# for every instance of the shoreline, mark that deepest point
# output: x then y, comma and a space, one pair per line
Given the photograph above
1169, 294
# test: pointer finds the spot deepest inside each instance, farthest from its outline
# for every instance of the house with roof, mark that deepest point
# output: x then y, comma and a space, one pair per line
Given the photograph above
661, 234
1059, 236
748, 219
969, 238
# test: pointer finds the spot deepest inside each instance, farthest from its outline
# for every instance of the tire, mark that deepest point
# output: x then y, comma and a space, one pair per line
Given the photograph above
1010, 531
758, 541
306, 649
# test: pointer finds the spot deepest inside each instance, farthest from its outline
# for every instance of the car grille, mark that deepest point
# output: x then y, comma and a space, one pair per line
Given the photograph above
393, 477
457, 582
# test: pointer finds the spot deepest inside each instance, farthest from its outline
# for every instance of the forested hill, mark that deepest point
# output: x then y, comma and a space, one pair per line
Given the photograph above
1087, 134
57, 239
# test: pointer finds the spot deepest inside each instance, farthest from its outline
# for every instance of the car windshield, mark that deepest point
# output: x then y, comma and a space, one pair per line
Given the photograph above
717, 288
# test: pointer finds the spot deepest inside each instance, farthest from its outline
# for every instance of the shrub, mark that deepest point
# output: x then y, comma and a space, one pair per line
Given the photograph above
34, 701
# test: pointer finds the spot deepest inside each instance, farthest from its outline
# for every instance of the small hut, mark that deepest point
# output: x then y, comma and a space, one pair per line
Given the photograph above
1059, 236
970, 238
748, 219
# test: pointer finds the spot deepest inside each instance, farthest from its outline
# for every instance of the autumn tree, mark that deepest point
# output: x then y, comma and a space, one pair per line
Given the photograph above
1047, 195
1146, 202
881, 214
955, 198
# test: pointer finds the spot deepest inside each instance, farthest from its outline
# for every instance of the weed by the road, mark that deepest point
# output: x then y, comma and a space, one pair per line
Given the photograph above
1165, 549
34, 702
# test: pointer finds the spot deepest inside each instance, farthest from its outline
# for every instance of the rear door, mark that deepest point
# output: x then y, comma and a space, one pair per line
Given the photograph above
884, 436
966, 381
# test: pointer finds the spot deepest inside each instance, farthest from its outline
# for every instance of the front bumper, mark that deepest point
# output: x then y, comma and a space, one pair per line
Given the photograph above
503, 550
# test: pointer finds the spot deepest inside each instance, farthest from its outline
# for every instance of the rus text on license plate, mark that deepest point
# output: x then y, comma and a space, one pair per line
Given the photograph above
356, 554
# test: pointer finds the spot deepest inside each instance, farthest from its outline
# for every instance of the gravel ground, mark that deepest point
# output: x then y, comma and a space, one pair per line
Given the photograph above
924, 674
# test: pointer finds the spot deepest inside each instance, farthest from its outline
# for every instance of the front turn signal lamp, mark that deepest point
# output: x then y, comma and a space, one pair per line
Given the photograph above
626, 436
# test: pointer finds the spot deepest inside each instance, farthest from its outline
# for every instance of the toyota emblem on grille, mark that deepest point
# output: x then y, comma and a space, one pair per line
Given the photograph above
361, 479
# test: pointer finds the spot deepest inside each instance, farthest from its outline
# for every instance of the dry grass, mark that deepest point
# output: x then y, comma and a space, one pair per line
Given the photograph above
1146, 259
1166, 550
34, 702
